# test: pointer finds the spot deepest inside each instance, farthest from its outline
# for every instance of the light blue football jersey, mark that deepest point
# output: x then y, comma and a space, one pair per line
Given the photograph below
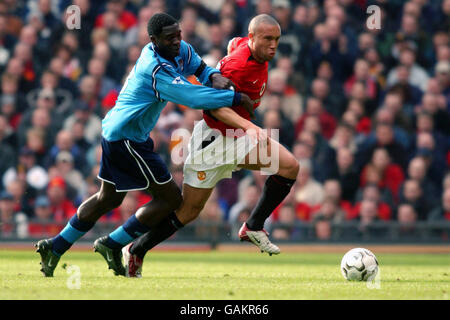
151, 83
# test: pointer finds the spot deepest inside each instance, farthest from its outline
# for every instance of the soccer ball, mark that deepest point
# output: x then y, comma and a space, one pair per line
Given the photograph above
359, 264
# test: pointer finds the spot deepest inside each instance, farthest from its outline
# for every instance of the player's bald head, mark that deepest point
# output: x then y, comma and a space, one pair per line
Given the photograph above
259, 20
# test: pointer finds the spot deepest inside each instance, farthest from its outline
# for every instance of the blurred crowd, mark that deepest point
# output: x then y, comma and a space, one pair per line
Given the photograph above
366, 112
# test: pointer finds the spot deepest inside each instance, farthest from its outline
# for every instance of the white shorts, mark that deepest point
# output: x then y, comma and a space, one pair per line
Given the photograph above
213, 156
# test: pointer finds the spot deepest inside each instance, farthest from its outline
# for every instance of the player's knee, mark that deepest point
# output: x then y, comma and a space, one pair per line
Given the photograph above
290, 168
295, 166
190, 213
109, 200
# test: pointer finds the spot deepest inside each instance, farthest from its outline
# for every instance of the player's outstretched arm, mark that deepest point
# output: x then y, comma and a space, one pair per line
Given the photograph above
231, 118
171, 86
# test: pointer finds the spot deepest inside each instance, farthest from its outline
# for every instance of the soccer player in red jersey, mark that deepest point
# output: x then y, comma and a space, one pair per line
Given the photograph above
228, 131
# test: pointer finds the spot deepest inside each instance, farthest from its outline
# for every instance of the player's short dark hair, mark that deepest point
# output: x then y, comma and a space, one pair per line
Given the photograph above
158, 21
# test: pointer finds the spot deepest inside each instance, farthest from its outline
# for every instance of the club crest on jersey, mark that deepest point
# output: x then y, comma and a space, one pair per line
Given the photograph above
177, 80
201, 175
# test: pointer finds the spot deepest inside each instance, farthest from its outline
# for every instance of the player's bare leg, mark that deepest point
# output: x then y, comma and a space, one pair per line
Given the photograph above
88, 213
105, 200
276, 188
166, 198
194, 200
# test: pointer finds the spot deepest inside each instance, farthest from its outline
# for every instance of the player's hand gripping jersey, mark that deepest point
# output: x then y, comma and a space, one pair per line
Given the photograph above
152, 82
249, 76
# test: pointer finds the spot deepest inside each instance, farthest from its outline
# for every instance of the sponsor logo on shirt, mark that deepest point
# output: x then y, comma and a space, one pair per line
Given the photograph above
177, 80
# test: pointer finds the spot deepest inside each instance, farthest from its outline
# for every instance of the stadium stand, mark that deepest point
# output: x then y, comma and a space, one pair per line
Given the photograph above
366, 112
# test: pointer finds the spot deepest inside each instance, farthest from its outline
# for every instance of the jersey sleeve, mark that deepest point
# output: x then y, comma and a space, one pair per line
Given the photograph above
196, 66
169, 85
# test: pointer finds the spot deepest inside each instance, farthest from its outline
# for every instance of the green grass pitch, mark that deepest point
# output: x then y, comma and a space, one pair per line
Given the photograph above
225, 275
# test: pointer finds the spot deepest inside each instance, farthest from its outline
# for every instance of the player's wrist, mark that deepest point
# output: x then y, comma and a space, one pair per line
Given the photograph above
236, 99
248, 125
212, 75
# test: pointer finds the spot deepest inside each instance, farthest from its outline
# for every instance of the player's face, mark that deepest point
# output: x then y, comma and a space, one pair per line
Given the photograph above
265, 41
168, 42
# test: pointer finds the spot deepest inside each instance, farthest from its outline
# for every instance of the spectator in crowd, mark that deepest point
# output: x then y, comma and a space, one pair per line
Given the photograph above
410, 94
12, 222
248, 201
372, 193
103, 84
406, 214
188, 24
368, 214
333, 191
103, 52
64, 163
78, 132
361, 74
329, 210
7, 39
211, 214
34, 175
432, 105
407, 218
13, 104
273, 120
417, 170
331, 45
43, 223
322, 229
433, 154
289, 100
384, 115
61, 206
22, 195
413, 194
347, 173
295, 79
43, 117
446, 182
332, 102
286, 228
64, 142
397, 104
344, 137
391, 174
7, 153
442, 212
92, 123
314, 107
382, 137
357, 106
417, 75
307, 190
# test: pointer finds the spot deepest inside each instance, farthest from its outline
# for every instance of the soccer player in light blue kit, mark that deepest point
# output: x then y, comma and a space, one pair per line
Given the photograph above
128, 160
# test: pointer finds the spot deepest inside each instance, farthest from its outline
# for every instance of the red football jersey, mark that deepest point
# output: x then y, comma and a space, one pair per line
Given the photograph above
249, 76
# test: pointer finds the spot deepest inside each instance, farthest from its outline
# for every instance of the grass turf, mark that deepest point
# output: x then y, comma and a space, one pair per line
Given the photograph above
220, 275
